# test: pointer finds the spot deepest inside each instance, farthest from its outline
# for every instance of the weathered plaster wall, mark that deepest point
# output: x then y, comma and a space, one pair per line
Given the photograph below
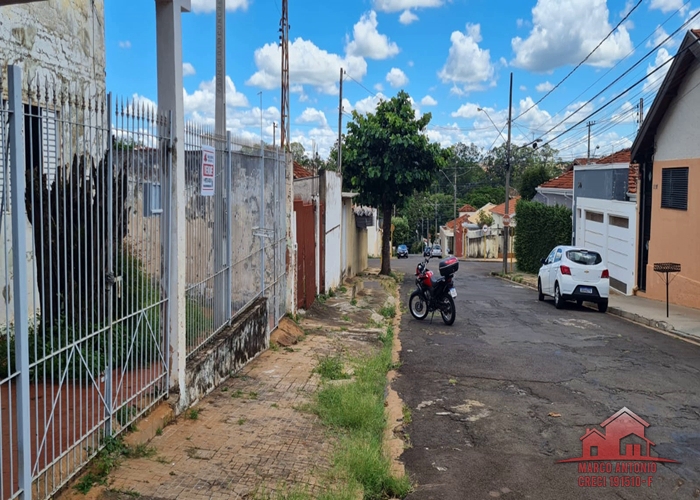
58, 40
332, 194
227, 352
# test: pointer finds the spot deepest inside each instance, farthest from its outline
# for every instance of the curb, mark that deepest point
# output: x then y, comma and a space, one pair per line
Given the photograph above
663, 326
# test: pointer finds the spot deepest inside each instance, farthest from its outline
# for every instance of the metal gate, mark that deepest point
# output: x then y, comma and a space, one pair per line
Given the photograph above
306, 254
83, 331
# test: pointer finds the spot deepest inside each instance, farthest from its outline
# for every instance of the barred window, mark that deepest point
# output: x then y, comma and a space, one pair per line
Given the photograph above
674, 188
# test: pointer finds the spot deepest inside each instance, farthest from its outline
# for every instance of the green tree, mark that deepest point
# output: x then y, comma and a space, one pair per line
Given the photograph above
299, 154
387, 156
531, 178
485, 218
402, 232
480, 196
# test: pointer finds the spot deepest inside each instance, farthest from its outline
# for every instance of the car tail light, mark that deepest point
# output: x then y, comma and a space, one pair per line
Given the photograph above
605, 274
565, 270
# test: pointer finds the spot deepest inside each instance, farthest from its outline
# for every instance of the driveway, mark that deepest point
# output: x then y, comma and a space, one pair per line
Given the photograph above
514, 384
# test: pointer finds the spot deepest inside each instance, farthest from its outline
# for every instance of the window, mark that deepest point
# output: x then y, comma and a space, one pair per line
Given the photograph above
594, 451
674, 188
557, 257
550, 257
584, 257
619, 221
594, 216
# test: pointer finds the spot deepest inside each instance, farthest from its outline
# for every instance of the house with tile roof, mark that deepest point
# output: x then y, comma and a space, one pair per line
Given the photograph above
557, 191
667, 151
605, 214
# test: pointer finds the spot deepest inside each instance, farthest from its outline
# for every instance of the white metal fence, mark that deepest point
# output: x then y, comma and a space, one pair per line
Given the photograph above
84, 334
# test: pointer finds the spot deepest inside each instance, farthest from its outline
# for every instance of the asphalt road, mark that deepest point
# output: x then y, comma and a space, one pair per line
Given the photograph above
510, 388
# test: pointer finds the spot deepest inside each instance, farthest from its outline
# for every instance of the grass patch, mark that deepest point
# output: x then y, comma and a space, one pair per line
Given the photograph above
353, 302
345, 317
388, 311
342, 289
252, 395
237, 394
331, 368
241, 421
193, 414
274, 346
356, 411
114, 451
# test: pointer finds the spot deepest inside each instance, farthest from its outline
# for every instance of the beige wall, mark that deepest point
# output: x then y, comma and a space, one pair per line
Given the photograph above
58, 40
356, 243
675, 237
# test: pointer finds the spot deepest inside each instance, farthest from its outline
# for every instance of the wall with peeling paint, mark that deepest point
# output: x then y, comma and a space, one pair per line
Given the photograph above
226, 353
57, 40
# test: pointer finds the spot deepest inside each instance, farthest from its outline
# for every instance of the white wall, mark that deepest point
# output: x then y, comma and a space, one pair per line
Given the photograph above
333, 229
675, 139
374, 237
615, 244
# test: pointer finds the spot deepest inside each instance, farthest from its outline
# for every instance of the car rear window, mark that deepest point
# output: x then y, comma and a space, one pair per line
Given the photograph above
584, 257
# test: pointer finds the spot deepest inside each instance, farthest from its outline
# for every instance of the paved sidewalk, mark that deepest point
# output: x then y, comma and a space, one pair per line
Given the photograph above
251, 437
682, 321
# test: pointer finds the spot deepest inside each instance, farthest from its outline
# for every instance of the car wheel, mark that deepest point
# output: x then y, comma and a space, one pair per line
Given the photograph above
603, 306
540, 295
558, 301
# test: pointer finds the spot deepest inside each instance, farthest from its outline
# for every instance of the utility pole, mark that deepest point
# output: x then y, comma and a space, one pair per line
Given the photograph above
588, 158
340, 125
218, 234
436, 224
507, 207
641, 111
454, 228
284, 42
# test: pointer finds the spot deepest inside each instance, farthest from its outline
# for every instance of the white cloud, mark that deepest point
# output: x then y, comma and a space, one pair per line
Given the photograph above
308, 65
368, 42
126, 44
666, 6
209, 6
323, 138
565, 32
410, 64
396, 78
428, 101
400, 5
520, 22
188, 69
313, 115
654, 81
407, 17
467, 63
347, 106
379, 87
469, 110
523, 88
202, 101
544, 87
368, 104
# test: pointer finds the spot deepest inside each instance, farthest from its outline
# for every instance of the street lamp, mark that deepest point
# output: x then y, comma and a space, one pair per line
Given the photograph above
495, 126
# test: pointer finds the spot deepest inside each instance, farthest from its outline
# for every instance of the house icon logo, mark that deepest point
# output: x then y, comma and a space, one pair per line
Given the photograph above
623, 439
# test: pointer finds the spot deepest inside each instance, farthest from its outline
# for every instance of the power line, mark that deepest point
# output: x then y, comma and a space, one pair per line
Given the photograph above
582, 62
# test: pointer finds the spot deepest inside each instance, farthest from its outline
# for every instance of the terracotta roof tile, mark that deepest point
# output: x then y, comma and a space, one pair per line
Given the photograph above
564, 181
622, 156
451, 224
466, 208
632, 179
300, 172
501, 209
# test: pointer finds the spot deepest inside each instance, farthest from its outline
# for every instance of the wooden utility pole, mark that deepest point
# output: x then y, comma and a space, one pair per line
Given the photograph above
588, 157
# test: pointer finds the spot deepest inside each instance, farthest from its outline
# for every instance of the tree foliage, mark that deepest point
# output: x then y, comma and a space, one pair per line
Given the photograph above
531, 178
485, 218
387, 157
402, 232
480, 196
540, 228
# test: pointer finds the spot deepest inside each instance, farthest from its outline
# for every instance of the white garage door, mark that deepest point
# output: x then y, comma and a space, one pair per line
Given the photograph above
608, 227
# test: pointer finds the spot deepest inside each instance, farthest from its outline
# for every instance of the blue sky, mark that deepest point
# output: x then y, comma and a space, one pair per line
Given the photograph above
451, 56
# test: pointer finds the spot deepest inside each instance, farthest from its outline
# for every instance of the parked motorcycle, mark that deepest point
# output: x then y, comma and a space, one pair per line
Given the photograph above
433, 294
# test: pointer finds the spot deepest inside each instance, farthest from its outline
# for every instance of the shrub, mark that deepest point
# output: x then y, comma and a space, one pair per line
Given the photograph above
540, 228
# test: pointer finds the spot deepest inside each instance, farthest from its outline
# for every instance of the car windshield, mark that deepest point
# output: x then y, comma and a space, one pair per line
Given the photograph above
402, 247
436, 247
584, 257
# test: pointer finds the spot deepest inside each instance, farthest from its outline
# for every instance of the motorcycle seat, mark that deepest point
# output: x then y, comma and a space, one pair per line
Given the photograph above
435, 281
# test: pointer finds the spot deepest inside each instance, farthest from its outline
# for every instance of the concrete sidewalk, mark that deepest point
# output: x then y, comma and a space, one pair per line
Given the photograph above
682, 321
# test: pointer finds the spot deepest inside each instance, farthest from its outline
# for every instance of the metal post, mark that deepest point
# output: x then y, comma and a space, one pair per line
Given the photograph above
340, 125
667, 295
109, 397
262, 205
228, 230
507, 207
218, 231
20, 278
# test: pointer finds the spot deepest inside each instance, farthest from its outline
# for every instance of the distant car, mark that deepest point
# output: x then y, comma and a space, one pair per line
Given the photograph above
402, 252
574, 273
427, 251
437, 251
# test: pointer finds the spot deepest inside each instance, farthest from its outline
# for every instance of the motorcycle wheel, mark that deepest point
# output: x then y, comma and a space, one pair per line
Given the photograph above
418, 306
447, 310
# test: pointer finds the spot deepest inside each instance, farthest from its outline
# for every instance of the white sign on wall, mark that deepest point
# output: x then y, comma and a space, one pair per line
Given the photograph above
208, 170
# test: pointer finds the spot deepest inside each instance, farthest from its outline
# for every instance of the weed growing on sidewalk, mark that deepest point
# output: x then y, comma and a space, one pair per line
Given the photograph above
331, 368
388, 311
356, 410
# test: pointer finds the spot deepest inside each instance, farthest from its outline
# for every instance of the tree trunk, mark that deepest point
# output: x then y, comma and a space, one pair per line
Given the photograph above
386, 241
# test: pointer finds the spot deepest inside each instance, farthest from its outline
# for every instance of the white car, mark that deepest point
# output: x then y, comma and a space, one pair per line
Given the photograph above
574, 273
436, 251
